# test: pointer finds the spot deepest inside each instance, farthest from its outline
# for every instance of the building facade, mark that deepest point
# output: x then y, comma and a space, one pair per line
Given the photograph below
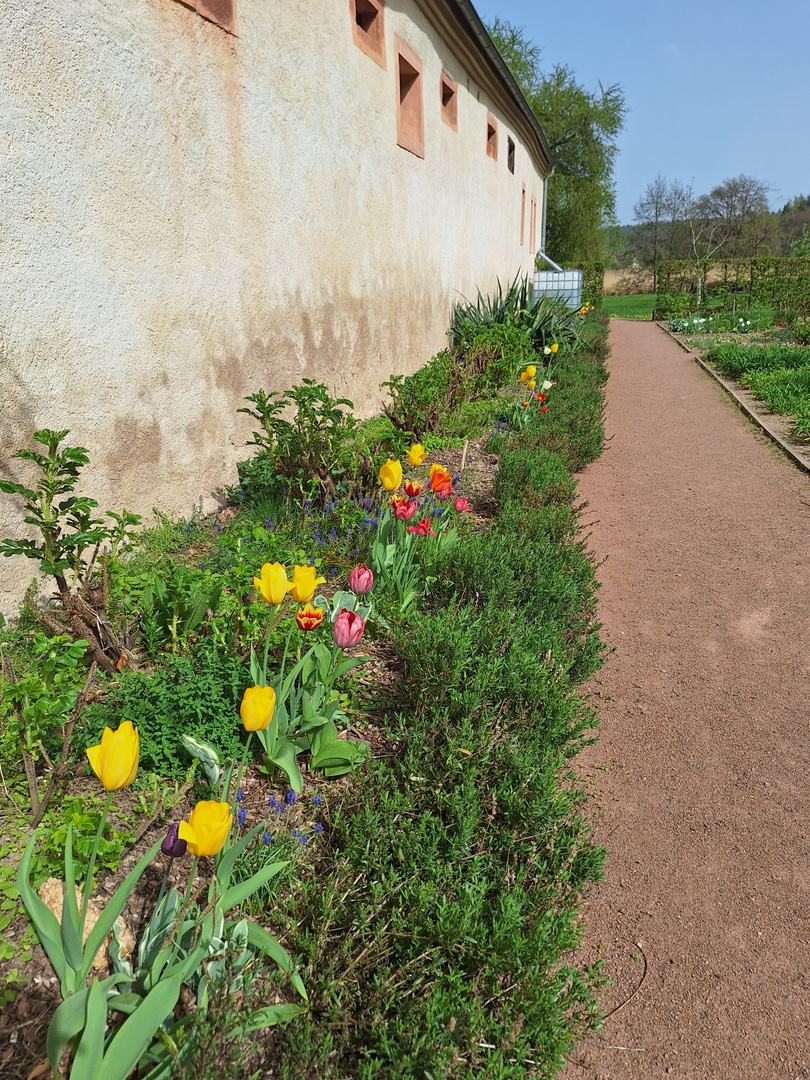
200, 199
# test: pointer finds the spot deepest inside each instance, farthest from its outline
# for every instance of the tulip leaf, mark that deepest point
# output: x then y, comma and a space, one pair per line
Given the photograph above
284, 756
273, 1014
263, 941
68, 1020
44, 920
228, 860
137, 1031
71, 927
113, 909
237, 894
157, 928
90, 1053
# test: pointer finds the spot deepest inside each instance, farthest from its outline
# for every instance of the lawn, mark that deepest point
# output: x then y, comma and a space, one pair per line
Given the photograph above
639, 306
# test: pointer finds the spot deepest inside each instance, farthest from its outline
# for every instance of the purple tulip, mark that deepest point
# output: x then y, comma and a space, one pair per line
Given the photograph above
173, 846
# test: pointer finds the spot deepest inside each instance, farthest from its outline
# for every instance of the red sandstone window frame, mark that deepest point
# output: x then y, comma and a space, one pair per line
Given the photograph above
368, 28
522, 213
448, 101
220, 12
532, 222
410, 112
492, 137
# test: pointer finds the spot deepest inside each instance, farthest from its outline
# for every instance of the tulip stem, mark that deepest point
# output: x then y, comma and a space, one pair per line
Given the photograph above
190, 885
242, 765
164, 883
88, 885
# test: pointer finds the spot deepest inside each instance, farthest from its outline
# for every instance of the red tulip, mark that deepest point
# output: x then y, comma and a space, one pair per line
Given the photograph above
423, 528
412, 488
348, 629
541, 397
406, 510
309, 617
461, 506
360, 580
543, 408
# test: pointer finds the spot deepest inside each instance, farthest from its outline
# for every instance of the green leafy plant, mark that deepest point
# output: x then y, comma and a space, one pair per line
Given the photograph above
309, 452
68, 529
174, 605
45, 703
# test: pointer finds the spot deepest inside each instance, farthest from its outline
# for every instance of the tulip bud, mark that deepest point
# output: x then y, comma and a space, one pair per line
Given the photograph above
461, 505
361, 580
173, 846
348, 629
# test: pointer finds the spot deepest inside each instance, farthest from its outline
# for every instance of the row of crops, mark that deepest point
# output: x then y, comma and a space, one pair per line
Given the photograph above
778, 374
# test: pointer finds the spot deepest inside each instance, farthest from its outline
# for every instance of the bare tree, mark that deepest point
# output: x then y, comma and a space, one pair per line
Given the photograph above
661, 215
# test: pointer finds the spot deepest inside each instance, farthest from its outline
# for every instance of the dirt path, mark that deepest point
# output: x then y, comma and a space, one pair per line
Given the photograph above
701, 780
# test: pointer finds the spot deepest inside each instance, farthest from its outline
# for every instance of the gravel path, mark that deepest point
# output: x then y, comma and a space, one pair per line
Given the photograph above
701, 780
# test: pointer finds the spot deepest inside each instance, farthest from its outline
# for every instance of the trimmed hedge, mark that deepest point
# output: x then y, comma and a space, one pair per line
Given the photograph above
768, 282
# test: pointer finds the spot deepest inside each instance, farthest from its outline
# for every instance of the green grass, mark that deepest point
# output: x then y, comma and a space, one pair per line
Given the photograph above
626, 307
779, 375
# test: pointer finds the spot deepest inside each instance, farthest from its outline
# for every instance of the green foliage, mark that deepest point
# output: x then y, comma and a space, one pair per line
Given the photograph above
67, 528
581, 127
174, 605
765, 282
308, 453
777, 374
198, 694
45, 694
542, 323
593, 282
459, 864
81, 816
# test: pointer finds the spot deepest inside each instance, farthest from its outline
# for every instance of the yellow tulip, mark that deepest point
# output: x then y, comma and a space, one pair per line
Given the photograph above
273, 584
256, 710
531, 371
207, 827
303, 583
115, 760
416, 455
532, 384
554, 347
391, 475
524, 376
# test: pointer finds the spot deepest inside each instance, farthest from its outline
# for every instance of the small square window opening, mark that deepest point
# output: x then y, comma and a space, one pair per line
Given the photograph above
368, 28
492, 137
410, 129
510, 154
448, 91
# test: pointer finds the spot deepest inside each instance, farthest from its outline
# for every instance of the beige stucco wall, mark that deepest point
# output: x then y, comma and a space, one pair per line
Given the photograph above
187, 215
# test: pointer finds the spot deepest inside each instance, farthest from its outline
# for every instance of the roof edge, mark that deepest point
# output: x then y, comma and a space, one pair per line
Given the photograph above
468, 16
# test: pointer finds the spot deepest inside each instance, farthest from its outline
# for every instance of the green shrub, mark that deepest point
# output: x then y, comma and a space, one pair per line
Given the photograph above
197, 695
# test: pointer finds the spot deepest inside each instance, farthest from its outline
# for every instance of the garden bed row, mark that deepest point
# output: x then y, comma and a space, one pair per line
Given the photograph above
430, 896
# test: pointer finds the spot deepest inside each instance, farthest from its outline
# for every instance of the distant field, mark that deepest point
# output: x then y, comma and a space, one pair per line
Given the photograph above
624, 306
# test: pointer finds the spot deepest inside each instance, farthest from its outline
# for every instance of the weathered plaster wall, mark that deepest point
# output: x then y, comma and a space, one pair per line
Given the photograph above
187, 215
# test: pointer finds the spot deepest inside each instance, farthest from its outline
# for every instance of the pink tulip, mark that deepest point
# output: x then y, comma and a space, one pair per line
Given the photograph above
461, 506
406, 510
360, 580
348, 629
444, 493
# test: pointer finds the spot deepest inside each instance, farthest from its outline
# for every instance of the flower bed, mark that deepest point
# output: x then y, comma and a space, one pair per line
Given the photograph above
408, 829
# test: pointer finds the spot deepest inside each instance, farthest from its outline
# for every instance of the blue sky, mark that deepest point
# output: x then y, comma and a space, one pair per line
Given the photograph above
713, 89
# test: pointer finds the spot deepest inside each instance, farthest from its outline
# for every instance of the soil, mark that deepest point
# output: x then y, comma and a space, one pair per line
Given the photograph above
700, 779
